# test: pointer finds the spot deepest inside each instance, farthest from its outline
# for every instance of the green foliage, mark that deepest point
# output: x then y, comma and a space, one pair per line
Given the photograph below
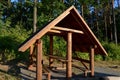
98, 58
59, 46
46, 44
16, 22
48, 10
5, 76
10, 39
82, 55
113, 51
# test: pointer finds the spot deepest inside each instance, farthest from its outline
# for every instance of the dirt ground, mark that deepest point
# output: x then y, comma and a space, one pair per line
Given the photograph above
14, 70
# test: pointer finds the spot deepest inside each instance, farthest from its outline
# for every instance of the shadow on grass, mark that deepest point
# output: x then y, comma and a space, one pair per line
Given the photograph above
9, 72
23, 73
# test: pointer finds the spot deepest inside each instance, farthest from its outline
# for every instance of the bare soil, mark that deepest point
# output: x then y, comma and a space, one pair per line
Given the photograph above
14, 70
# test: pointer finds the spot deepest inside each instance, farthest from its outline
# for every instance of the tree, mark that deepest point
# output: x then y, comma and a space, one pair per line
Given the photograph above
114, 22
35, 16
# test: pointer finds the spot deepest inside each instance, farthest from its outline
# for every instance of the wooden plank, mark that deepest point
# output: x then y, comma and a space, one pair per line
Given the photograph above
58, 58
67, 29
81, 68
92, 61
32, 40
61, 68
54, 31
69, 56
84, 65
39, 60
61, 59
80, 59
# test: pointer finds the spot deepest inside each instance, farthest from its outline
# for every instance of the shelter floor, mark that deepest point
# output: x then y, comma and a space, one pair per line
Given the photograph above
103, 70
100, 73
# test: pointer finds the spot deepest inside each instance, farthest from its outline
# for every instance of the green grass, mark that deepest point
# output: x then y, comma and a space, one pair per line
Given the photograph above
5, 76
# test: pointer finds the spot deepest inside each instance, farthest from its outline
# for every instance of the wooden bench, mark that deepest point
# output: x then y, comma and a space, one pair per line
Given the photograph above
58, 58
82, 69
45, 70
61, 59
85, 69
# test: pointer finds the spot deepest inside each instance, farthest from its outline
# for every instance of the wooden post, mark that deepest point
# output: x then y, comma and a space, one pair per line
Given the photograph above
39, 60
92, 60
69, 56
30, 66
51, 51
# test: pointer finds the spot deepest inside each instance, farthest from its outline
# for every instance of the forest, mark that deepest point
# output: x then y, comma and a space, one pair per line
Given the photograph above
17, 19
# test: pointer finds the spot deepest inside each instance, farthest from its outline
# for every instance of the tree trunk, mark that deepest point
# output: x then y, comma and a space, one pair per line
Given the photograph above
110, 21
114, 22
97, 27
63, 1
82, 12
35, 16
106, 38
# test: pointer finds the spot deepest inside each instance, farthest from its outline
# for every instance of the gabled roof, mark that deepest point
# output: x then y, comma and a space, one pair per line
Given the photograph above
70, 20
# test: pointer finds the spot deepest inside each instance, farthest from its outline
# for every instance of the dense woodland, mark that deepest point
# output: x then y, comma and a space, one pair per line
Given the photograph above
18, 19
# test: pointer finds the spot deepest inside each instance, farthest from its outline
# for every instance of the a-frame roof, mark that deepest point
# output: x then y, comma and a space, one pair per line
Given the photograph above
70, 20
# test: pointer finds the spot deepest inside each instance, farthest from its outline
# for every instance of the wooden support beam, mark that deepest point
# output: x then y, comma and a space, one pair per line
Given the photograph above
67, 29
58, 58
69, 56
30, 66
31, 49
92, 61
32, 40
46, 71
39, 60
54, 31
85, 65
51, 51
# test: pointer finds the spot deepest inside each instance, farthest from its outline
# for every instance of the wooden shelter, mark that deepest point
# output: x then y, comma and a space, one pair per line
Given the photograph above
75, 31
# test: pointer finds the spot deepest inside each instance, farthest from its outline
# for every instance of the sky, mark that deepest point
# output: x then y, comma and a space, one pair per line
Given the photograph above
13, 0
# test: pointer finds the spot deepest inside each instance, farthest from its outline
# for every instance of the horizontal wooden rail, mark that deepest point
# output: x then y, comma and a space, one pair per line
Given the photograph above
82, 68
58, 58
67, 29
80, 59
54, 31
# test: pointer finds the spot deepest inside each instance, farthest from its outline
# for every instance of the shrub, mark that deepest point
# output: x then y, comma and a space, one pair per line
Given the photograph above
113, 51
10, 39
59, 46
